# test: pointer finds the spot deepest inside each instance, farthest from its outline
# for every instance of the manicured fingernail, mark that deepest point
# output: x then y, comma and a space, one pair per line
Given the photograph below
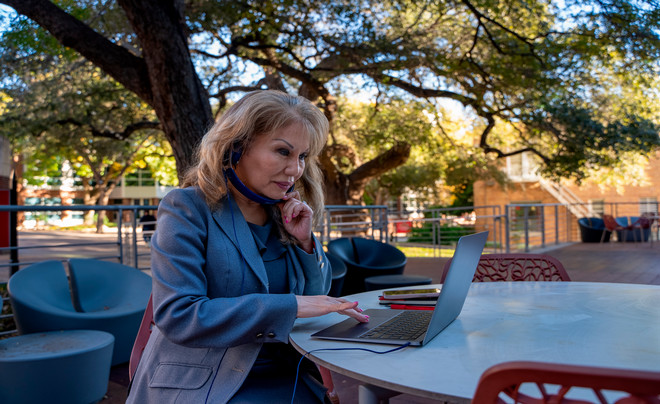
356, 302
366, 316
286, 220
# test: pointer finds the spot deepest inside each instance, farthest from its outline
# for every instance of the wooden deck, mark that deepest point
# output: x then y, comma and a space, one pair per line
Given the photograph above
587, 262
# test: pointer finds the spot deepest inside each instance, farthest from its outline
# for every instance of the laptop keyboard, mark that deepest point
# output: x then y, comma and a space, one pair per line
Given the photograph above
408, 325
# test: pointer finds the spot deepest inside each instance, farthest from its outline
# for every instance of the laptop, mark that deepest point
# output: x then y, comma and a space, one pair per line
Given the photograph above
417, 327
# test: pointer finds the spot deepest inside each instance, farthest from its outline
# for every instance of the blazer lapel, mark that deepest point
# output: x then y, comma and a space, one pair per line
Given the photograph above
230, 219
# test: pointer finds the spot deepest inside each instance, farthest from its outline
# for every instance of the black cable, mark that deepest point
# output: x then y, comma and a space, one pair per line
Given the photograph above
295, 385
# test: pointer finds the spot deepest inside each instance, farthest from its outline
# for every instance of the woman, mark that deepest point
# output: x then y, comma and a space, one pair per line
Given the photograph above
234, 261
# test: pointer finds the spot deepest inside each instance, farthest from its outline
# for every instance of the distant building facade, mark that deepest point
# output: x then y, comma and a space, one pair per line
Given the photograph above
138, 189
526, 187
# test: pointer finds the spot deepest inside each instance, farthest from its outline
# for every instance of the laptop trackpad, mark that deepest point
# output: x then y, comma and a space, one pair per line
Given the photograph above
351, 328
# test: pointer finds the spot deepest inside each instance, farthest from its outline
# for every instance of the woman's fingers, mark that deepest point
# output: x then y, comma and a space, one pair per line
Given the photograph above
313, 306
293, 207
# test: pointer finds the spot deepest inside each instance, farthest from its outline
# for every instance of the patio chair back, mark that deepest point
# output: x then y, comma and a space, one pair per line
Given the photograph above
516, 267
338, 274
142, 338
364, 258
98, 295
541, 383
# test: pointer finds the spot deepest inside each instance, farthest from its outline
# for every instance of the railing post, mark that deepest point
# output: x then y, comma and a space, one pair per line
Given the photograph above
507, 231
542, 218
557, 224
13, 224
526, 228
119, 236
135, 239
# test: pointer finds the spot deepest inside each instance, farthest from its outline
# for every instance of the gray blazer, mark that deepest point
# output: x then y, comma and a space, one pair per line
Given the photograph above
212, 309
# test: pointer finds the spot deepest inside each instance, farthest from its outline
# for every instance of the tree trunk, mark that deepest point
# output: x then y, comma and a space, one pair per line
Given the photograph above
178, 97
90, 196
103, 199
348, 189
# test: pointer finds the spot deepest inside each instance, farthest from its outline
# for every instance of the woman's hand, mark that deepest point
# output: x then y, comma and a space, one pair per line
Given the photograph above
314, 306
297, 219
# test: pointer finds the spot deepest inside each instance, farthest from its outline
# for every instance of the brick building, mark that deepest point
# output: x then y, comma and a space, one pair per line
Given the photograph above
525, 187
586, 200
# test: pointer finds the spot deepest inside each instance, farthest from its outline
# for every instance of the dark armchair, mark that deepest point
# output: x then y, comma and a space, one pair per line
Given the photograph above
591, 230
364, 258
338, 274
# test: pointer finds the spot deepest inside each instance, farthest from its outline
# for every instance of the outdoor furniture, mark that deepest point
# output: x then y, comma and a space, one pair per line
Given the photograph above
612, 225
633, 228
103, 296
141, 338
364, 258
70, 366
537, 382
653, 219
588, 323
516, 267
338, 274
395, 281
592, 230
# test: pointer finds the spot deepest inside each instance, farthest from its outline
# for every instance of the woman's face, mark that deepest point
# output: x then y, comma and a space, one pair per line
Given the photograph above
274, 161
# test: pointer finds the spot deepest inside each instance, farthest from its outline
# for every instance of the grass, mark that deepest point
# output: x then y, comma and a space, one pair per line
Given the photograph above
413, 251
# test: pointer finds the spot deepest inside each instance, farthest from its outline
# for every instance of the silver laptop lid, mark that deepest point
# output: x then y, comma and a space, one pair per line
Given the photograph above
457, 283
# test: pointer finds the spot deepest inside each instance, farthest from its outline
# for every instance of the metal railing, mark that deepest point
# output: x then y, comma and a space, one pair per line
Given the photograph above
539, 226
514, 227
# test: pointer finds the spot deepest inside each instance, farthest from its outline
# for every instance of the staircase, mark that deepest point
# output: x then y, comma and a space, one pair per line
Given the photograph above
564, 195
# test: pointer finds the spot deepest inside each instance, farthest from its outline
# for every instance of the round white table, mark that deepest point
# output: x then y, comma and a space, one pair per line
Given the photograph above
593, 324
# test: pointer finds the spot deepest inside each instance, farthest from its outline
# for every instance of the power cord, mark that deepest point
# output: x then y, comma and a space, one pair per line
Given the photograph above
295, 385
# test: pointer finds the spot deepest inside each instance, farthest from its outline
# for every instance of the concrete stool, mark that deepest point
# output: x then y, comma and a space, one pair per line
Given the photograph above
70, 367
395, 281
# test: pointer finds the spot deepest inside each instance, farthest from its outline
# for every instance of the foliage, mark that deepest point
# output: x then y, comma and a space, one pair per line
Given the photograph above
445, 234
74, 113
577, 80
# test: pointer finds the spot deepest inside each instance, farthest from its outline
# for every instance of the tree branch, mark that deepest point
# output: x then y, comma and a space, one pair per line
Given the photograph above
480, 16
421, 91
123, 135
118, 62
396, 156
483, 144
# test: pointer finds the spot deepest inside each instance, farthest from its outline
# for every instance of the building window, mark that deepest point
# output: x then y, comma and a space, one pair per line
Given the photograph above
522, 167
139, 178
597, 206
517, 216
648, 205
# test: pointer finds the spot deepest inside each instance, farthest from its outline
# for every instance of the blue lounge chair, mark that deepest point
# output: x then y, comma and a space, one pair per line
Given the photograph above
96, 295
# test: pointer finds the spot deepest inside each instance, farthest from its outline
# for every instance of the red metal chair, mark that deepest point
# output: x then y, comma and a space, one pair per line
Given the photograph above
643, 223
541, 383
652, 221
612, 225
142, 337
516, 267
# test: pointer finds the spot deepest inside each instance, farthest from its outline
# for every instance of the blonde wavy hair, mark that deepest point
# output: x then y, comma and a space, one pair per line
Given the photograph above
260, 113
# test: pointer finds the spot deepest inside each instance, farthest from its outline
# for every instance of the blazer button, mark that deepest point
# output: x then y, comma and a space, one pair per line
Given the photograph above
260, 335
271, 335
